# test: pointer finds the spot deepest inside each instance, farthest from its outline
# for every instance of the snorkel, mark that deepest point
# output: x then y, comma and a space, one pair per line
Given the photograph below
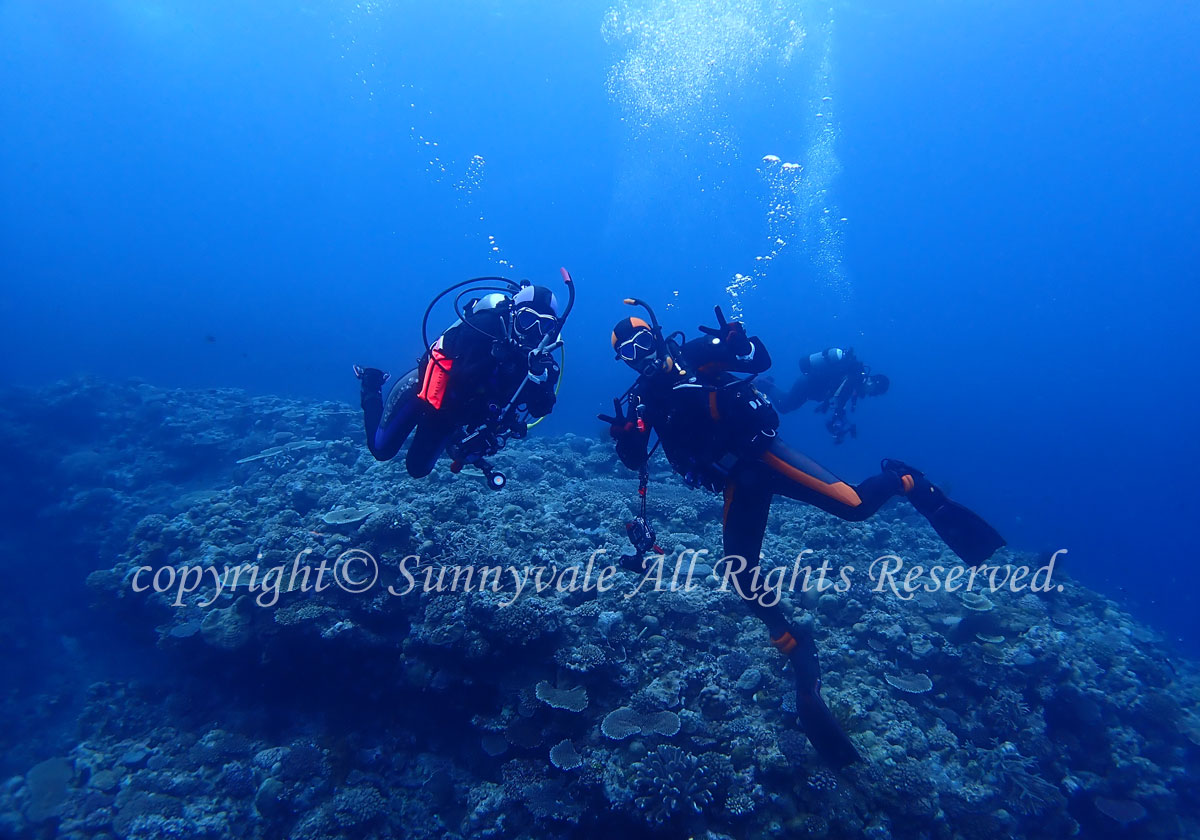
662, 357
653, 319
566, 276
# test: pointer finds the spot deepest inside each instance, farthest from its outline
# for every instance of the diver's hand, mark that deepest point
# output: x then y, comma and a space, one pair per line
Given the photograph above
540, 363
737, 341
620, 425
623, 430
372, 378
731, 333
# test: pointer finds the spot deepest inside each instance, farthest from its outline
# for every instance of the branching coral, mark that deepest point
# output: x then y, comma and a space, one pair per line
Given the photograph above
1025, 791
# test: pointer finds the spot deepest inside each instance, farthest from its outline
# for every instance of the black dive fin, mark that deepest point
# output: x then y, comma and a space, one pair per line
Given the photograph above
963, 530
823, 730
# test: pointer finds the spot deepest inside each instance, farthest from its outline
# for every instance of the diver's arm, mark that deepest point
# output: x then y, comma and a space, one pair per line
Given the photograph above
711, 354
727, 348
540, 396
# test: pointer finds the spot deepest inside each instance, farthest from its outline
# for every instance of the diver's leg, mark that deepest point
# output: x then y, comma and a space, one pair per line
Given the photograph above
796, 396
434, 433
799, 477
370, 397
747, 503
390, 415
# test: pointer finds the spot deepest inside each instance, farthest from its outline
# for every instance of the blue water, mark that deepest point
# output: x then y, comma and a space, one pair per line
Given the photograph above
232, 194
994, 204
1019, 184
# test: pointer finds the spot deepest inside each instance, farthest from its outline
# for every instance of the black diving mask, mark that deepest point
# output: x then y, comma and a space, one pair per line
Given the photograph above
531, 324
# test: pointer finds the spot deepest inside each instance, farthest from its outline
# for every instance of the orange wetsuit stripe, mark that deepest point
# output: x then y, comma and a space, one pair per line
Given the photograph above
785, 644
712, 405
728, 502
839, 490
907, 482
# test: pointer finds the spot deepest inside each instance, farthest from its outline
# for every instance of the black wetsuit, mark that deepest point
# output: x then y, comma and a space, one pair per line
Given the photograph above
484, 373
718, 431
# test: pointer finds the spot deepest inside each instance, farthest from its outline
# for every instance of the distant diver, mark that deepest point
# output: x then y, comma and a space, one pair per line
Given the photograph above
475, 387
835, 379
718, 431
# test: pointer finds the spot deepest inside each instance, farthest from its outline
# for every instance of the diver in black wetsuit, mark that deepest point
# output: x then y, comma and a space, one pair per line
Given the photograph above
718, 432
474, 387
835, 379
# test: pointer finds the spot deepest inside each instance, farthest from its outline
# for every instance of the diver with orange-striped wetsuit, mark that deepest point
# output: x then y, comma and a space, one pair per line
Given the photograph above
478, 385
718, 431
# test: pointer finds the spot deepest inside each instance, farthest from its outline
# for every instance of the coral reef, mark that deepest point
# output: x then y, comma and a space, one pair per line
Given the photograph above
443, 701
670, 783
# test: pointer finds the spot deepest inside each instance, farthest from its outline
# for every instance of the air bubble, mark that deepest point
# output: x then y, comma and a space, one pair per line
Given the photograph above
683, 59
798, 208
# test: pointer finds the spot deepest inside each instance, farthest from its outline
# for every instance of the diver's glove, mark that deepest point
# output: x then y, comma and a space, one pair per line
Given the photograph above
731, 333
539, 365
630, 433
372, 379
621, 426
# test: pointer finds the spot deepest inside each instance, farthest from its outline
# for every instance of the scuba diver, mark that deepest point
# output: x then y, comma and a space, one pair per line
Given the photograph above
475, 387
836, 380
718, 431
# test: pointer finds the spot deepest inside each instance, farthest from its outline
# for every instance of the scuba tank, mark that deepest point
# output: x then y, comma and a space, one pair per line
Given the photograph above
493, 300
820, 363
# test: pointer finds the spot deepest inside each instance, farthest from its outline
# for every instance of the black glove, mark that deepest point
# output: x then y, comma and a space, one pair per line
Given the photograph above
372, 379
538, 365
620, 425
731, 333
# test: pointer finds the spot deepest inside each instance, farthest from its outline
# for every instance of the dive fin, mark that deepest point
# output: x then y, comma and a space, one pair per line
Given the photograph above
963, 530
823, 730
